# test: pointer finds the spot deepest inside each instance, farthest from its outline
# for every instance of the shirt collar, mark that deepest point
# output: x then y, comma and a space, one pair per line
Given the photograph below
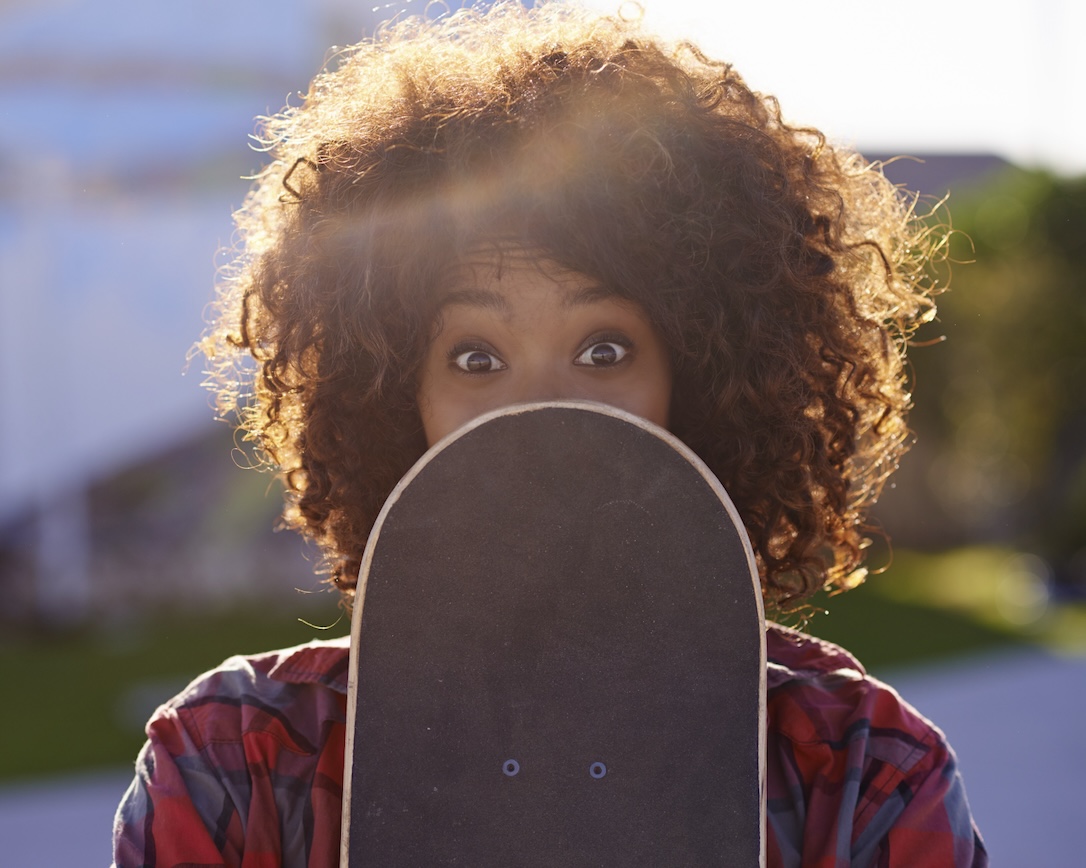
789, 653
320, 662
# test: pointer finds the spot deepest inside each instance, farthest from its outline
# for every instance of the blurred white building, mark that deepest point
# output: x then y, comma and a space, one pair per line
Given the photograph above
123, 142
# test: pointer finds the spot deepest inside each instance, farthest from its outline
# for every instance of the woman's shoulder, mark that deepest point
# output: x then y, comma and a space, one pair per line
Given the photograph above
247, 754
849, 757
819, 692
288, 693
791, 652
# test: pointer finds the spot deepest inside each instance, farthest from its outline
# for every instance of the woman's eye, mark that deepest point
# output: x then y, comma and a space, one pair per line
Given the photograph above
602, 354
478, 362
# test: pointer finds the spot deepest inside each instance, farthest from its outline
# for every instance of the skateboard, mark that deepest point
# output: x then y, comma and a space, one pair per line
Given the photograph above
557, 655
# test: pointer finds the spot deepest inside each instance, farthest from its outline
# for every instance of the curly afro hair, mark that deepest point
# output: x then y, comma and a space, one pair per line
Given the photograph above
785, 275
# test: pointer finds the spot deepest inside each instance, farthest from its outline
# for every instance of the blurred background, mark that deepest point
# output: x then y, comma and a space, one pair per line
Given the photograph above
135, 552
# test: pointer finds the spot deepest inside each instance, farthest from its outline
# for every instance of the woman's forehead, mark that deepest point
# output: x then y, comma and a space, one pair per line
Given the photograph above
508, 264
510, 281
496, 258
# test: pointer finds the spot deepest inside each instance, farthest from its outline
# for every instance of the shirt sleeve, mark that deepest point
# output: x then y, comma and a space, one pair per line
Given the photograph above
927, 822
158, 822
858, 779
242, 769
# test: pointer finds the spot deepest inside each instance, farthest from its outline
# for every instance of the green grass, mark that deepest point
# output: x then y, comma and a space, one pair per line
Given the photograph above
78, 701
886, 634
931, 607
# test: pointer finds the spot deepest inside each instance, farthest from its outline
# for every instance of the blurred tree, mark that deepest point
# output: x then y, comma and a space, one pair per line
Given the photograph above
1001, 405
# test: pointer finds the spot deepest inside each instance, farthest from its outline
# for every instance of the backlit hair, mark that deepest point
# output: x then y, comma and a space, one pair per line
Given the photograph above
784, 274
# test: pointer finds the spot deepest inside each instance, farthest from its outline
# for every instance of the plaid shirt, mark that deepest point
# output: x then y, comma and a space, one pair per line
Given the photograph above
245, 768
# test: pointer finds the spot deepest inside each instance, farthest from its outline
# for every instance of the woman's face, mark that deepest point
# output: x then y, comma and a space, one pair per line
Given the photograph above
513, 328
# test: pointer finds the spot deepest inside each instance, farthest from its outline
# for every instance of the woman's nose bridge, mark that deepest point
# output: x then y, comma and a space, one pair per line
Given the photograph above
546, 381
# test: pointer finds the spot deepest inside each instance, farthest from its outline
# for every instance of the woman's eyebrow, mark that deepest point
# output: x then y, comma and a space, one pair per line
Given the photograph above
588, 295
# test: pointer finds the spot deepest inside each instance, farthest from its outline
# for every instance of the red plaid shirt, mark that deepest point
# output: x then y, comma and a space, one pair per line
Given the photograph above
245, 768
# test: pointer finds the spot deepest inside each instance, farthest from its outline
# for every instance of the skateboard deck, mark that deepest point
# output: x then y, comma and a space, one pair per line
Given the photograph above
557, 655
